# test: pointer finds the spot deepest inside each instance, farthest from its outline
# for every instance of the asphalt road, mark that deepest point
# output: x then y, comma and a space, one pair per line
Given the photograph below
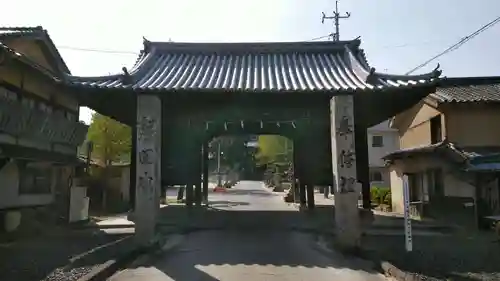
240, 255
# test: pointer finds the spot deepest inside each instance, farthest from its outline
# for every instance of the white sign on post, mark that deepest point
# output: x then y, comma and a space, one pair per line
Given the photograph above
406, 198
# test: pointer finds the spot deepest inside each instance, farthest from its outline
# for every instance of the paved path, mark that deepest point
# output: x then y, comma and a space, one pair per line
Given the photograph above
256, 254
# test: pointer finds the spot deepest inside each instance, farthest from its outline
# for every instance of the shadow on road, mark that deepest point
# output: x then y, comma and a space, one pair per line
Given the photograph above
277, 253
442, 256
50, 257
228, 239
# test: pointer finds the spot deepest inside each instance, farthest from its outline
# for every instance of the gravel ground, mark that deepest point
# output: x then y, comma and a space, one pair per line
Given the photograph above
457, 257
49, 258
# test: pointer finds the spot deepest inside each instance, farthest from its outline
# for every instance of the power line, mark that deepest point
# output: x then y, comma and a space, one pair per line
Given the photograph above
457, 45
321, 37
98, 50
123, 52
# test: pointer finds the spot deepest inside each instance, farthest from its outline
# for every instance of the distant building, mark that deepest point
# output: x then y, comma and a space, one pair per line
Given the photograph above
382, 140
450, 151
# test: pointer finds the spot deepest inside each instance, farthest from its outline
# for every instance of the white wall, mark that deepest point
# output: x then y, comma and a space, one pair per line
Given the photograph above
391, 143
9, 185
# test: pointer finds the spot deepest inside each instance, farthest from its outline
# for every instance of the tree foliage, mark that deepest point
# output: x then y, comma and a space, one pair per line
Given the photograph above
234, 152
274, 149
111, 139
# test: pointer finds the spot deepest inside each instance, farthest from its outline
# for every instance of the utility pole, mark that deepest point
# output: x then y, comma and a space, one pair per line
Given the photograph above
336, 17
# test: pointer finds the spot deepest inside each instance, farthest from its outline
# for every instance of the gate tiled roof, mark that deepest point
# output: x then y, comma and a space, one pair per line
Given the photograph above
287, 67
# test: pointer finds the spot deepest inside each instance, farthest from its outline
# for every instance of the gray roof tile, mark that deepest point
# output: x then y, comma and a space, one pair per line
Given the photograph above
470, 89
299, 66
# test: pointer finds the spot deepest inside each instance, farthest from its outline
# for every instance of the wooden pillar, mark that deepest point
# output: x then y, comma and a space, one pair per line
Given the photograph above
296, 168
205, 171
347, 188
189, 192
190, 181
310, 196
198, 196
148, 168
301, 171
302, 193
189, 168
362, 163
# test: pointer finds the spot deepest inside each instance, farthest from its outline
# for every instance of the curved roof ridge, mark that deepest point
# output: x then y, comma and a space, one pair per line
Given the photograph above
75, 78
426, 76
361, 69
251, 47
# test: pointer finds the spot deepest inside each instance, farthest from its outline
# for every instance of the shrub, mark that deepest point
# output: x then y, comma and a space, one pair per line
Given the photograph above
380, 195
387, 198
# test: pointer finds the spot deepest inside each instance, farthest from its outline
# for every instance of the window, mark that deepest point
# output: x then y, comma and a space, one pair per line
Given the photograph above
376, 176
377, 141
436, 133
34, 179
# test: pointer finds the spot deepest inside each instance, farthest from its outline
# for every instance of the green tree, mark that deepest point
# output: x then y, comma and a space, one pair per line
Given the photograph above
274, 149
234, 152
111, 139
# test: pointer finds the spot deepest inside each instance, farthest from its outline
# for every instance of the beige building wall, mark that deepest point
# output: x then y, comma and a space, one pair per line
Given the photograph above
417, 131
474, 126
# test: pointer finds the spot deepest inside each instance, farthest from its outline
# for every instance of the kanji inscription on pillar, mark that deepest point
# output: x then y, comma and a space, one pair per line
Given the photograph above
148, 166
146, 128
343, 150
146, 156
146, 184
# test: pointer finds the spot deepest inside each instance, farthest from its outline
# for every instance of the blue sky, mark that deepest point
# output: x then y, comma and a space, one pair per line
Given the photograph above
397, 35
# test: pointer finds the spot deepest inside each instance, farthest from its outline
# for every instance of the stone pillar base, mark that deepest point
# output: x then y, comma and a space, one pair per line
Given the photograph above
347, 220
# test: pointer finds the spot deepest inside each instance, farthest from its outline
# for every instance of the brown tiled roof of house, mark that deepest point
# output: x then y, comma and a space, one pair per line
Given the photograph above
38, 33
469, 89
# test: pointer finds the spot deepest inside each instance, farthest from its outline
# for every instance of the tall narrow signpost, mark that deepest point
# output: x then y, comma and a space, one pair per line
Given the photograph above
406, 198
